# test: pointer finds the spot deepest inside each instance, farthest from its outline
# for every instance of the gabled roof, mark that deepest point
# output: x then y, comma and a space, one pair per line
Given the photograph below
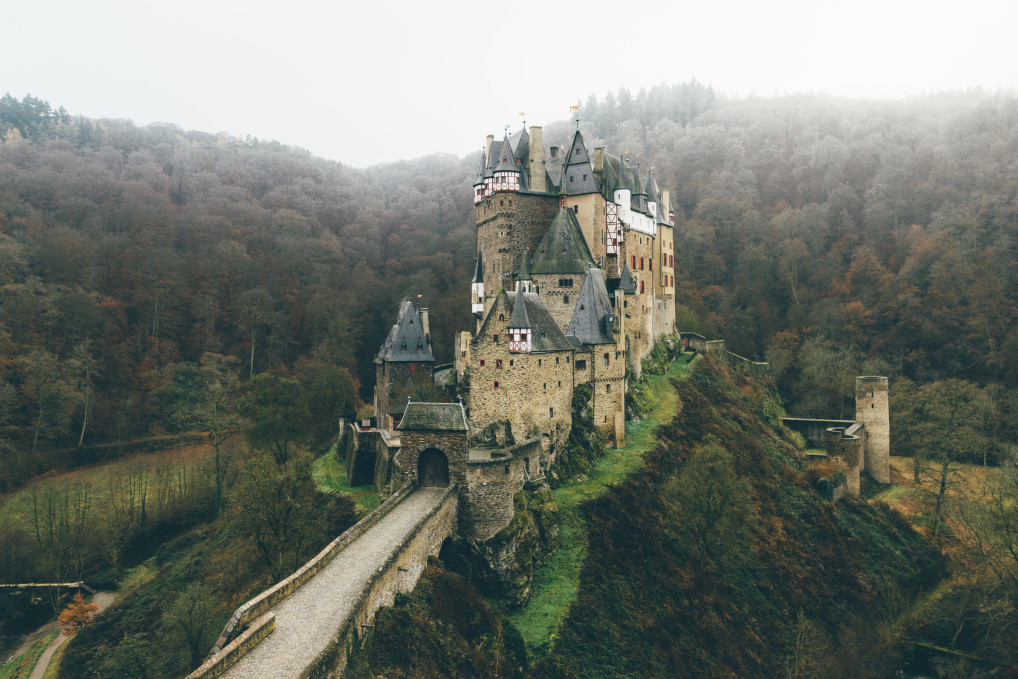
653, 194
578, 174
406, 342
545, 333
563, 248
478, 269
519, 318
506, 158
590, 324
433, 417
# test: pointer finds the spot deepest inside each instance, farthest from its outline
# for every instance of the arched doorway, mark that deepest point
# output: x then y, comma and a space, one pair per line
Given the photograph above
433, 469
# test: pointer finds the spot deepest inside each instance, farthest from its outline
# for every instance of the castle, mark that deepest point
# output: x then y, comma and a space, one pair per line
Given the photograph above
573, 283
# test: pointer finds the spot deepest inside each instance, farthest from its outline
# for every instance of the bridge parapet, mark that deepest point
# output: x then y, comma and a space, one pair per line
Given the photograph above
224, 654
400, 574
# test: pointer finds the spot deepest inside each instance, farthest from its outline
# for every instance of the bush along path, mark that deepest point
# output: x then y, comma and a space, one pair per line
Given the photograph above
556, 583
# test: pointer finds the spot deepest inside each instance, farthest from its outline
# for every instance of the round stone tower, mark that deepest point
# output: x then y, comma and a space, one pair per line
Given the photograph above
871, 410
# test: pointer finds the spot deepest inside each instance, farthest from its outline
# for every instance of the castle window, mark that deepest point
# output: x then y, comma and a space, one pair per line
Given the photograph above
607, 388
565, 282
650, 262
606, 358
498, 363
538, 363
567, 360
641, 287
560, 384
565, 299
496, 384
501, 317
494, 338
641, 263
581, 365
576, 208
501, 203
556, 360
507, 470
546, 386
413, 367
584, 177
570, 179
551, 412
482, 362
510, 362
510, 203
634, 261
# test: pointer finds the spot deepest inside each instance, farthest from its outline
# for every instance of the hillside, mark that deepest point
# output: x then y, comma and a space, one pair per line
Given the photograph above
719, 558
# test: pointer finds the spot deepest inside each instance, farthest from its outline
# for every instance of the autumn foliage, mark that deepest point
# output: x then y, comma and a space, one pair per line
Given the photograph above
77, 615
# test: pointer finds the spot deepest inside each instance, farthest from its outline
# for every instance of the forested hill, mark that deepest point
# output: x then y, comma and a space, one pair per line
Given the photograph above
126, 251
831, 237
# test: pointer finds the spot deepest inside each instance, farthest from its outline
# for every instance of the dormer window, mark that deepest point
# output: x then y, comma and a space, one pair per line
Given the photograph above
402, 347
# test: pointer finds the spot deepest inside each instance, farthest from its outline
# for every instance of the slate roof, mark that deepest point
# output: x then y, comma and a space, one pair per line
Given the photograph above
545, 335
563, 249
519, 318
478, 270
506, 158
406, 342
433, 417
481, 168
589, 324
524, 273
578, 175
624, 282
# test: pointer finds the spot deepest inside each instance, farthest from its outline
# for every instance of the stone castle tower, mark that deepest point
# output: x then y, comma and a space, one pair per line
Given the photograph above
872, 411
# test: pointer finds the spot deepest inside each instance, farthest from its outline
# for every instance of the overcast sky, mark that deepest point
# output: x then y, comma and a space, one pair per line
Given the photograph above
373, 81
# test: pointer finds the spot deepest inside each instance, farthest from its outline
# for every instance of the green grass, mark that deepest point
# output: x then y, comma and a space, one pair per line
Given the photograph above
22, 666
330, 474
556, 583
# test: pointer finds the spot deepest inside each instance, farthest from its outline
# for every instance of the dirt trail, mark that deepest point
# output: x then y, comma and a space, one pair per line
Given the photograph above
104, 599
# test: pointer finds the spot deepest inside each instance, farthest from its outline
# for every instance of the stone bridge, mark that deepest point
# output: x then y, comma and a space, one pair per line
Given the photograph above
305, 625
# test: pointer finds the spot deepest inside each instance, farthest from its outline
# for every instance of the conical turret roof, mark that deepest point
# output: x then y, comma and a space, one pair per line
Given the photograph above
563, 248
478, 270
593, 308
519, 318
406, 341
524, 272
506, 158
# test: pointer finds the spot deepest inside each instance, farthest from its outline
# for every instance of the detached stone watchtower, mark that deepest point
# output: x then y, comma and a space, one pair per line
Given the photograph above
872, 411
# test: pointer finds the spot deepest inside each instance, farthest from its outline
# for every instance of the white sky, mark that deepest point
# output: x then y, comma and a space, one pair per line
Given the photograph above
369, 81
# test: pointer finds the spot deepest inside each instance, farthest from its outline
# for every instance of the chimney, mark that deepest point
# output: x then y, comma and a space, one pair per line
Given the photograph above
598, 159
425, 326
666, 204
554, 152
537, 171
487, 149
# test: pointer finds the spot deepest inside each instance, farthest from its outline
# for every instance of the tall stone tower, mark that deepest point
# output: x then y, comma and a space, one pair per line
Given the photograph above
871, 410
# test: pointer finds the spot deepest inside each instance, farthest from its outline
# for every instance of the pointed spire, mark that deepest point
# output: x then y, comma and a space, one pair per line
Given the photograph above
524, 273
519, 318
478, 270
563, 249
479, 176
506, 158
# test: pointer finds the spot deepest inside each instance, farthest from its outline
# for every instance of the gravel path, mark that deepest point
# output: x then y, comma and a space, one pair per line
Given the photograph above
307, 619
103, 599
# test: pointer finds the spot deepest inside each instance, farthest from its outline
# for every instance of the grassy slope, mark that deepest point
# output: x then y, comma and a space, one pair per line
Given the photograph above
22, 666
330, 474
555, 584
841, 572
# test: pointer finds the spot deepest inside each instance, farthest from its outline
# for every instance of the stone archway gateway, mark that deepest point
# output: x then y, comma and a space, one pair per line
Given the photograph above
432, 469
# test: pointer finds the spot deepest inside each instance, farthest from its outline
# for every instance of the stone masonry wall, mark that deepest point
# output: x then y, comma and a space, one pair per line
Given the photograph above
608, 366
639, 308
590, 213
872, 410
508, 224
560, 300
534, 390
486, 502
413, 443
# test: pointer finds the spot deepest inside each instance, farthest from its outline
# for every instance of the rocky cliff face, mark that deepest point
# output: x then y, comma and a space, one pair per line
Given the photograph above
503, 566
